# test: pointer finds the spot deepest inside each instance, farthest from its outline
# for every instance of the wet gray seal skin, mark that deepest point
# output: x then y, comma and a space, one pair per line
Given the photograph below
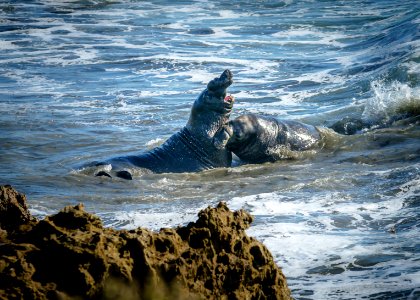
257, 139
350, 126
191, 149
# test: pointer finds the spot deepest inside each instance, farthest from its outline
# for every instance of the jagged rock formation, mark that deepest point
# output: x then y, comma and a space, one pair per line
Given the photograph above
70, 255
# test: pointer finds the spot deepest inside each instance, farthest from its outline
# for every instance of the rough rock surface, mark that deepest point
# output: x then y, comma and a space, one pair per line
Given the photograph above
13, 209
71, 255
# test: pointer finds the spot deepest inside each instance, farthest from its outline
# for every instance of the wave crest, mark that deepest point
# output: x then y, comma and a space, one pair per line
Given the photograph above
391, 101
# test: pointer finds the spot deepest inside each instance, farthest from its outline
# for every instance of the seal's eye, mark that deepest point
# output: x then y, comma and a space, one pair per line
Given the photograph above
239, 136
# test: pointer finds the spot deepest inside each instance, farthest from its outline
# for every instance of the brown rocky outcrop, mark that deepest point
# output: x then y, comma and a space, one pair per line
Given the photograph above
13, 209
71, 255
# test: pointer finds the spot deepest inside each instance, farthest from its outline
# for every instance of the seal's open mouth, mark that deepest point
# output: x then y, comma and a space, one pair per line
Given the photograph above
216, 95
229, 99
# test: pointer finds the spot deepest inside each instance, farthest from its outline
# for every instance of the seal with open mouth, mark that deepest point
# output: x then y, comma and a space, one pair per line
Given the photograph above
191, 149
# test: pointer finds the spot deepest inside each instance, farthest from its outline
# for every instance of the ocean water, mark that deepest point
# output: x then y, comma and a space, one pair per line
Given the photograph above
89, 80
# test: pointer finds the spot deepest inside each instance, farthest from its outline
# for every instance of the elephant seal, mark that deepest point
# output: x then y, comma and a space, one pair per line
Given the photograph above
191, 149
257, 139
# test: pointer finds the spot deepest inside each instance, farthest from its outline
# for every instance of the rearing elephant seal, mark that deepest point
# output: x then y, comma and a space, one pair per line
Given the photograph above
258, 139
191, 149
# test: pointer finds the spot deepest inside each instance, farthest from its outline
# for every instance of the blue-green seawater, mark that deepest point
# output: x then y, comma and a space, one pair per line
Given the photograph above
89, 80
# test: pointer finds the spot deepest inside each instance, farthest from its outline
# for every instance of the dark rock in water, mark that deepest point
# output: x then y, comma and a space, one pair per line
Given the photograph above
349, 126
201, 31
121, 174
124, 175
71, 254
103, 173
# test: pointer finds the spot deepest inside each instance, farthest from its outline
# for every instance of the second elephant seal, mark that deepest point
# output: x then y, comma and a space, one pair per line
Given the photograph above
257, 139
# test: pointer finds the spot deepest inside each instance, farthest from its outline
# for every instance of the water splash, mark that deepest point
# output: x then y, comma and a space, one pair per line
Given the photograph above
391, 101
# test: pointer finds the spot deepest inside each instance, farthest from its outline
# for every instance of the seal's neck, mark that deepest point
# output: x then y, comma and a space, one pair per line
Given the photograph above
207, 117
206, 123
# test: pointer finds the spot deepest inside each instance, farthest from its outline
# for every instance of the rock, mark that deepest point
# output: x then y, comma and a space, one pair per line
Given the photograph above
71, 255
201, 31
13, 209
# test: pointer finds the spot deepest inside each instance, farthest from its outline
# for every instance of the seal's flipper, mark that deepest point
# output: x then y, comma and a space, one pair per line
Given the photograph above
124, 175
222, 137
103, 173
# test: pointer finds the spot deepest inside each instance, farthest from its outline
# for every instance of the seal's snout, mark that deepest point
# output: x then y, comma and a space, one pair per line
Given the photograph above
227, 77
227, 74
219, 84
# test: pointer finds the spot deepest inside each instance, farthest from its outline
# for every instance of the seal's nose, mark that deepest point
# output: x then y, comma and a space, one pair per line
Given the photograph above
227, 74
219, 84
226, 78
